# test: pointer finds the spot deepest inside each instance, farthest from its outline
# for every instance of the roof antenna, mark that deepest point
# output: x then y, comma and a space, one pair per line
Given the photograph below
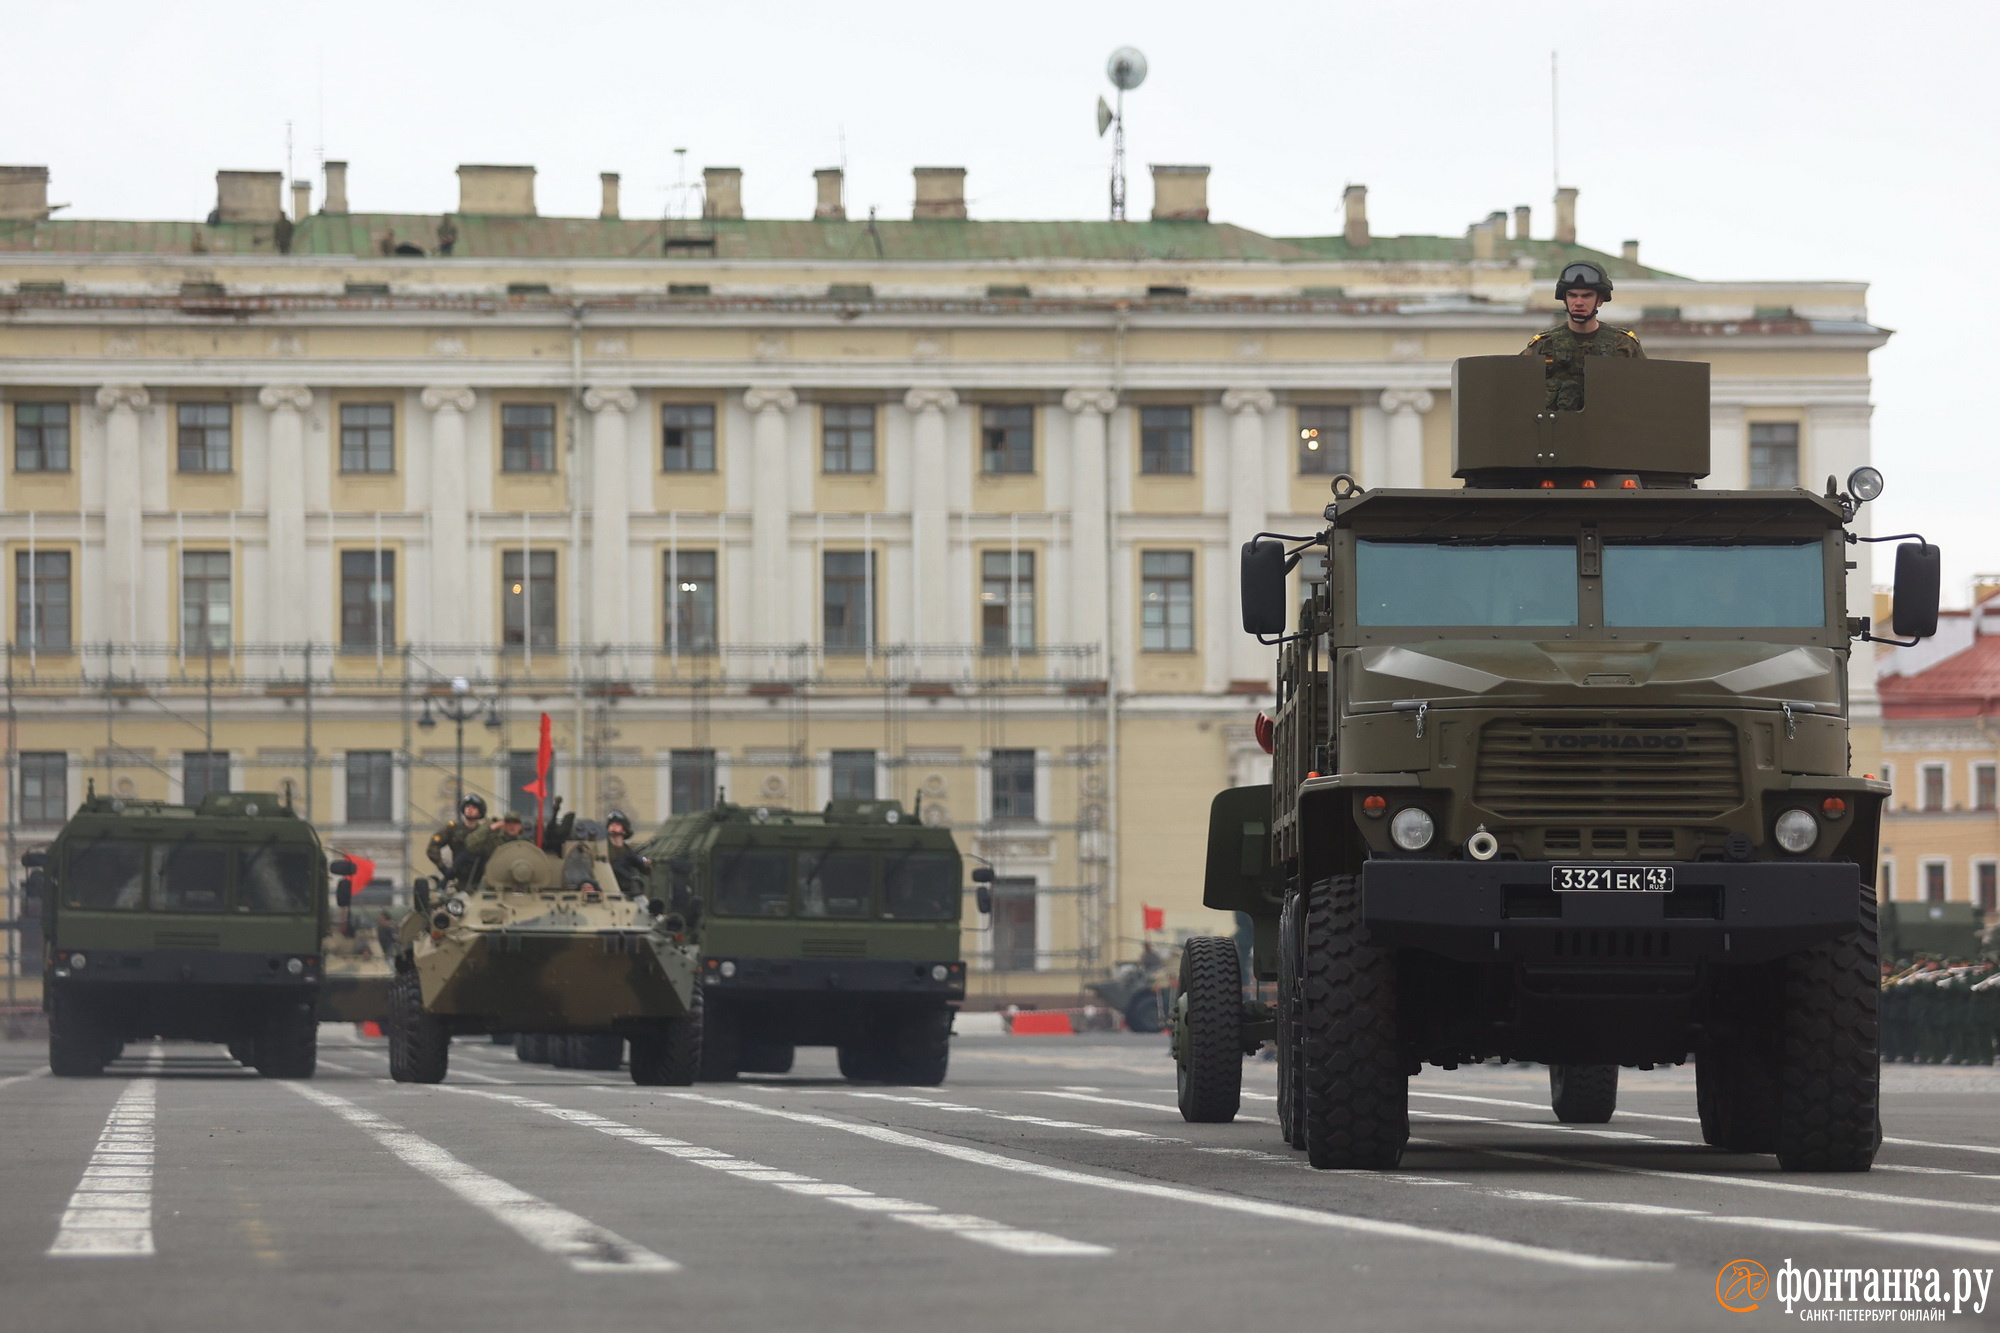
1555, 123
1127, 70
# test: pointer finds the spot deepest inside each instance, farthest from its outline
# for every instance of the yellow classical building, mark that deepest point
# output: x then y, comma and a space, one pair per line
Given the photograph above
935, 508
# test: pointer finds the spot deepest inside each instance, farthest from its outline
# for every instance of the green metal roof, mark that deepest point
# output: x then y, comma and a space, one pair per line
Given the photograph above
1549, 256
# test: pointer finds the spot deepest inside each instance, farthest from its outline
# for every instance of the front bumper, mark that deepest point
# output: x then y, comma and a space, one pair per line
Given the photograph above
849, 976
207, 967
1723, 912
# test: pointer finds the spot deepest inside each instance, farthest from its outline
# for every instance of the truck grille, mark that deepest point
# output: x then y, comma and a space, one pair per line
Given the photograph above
1611, 770
834, 948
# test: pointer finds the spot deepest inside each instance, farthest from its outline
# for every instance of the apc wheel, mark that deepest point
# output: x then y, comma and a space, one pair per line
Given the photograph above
1208, 1076
721, 1052
419, 1046
531, 1048
1830, 1056
766, 1057
1291, 1092
920, 1049
287, 1045
562, 1055
1357, 1097
600, 1051
670, 1057
1583, 1094
1145, 1013
78, 1044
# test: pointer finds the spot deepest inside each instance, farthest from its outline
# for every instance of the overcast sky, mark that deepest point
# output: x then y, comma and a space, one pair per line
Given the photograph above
1740, 140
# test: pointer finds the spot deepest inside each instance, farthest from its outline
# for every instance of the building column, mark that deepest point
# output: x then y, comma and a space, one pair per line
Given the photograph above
1405, 409
286, 599
121, 404
451, 560
770, 510
1089, 526
1248, 660
930, 548
610, 616
1728, 449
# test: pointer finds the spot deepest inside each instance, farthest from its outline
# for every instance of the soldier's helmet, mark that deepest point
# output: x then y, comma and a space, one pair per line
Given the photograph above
473, 803
512, 817
617, 820
1583, 274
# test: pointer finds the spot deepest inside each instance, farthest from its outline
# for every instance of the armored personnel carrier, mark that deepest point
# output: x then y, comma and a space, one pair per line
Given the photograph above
820, 928
1560, 773
544, 944
199, 923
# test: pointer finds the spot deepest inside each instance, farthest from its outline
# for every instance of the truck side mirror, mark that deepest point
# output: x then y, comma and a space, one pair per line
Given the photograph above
1263, 587
34, 860
982, 874
1918, 569
983, 895
343, 893
344, 867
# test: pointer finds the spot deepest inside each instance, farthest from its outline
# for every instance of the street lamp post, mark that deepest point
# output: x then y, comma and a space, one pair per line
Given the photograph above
459, 709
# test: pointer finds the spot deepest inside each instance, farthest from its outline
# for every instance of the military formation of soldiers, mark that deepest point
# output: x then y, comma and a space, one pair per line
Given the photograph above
1942, 1012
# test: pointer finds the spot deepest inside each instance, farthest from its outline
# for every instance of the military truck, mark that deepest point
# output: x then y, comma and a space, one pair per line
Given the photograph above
837, 927
1938, 930
1561, 774
198, 923
543, 942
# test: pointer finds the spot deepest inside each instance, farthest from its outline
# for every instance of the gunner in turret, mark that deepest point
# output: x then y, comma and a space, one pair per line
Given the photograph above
1584, 288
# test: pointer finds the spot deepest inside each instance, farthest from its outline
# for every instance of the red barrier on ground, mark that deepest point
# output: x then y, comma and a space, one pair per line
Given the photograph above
1028, 1023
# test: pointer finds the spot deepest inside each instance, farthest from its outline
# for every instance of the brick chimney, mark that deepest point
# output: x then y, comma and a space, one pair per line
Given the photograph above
1354, 201
607, 181
722, 192
1180, 194
1521, 215
1566, 216
828, 185
24, 193
302, 200
249, 196
1631, 252
335, 200
940, 193
496, 192
1484, 242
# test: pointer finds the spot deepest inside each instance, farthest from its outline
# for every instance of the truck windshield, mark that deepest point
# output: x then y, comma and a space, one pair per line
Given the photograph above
189, 877
836, 883
1502, 585
1765, 586
274, 879
106, 874
920, 886
753, 882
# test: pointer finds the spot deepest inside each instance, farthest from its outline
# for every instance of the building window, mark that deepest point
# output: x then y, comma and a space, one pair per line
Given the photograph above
1326, 437
41, 437
1167, 606
367, 600
1889, 776
202, 772
205, 606
1931, 778
1989, 889
520, 773
1774, 454
853, 775
527, 437
691, 601
367, 437
1007, 600
1985, 791
687, 437
691, 783
847, 437
1013, 786
44, 787
1014, 904
1885, 888
42, 601
1166, 441
528, 599
1007, 439
849, 609
203, 436
371, 787
1935, 884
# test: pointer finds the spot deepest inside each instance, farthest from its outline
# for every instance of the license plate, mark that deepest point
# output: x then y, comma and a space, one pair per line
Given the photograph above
1612, 879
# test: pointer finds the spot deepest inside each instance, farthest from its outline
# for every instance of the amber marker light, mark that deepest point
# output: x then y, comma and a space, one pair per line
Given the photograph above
1630, 484
1548, 485
1589, 483
1375, 806
1833, 807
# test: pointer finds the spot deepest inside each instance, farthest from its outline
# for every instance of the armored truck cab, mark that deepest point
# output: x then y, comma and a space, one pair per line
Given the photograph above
200, 923
1561, 773
820, 928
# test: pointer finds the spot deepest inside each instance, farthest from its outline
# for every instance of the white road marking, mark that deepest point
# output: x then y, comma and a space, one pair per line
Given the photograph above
587, 1247
980, 1230
1074, 1096
1179, 1194
1105, 1131
111, 1213
23, 1078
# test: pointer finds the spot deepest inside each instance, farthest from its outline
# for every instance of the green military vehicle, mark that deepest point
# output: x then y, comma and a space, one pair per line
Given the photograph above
820, 928
1561, 773
1937, 930
544, 944
199, 923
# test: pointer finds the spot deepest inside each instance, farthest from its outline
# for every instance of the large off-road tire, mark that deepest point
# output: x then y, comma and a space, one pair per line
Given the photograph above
765, 1057
1583, 1094
1145, 1013
721, 1051
1291, 1092
78, 1044
919, 1048
531, 1048
1736, 1092
243, 1049
287, 1044
1830, 1055
1357, 1095
600, 1051
863, 1060
1208, 1076
670, 1057
419, 1045
562, 1055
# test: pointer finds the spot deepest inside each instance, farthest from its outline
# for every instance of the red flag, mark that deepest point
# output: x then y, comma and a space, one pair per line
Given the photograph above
539, 788
364, 871
1155, 917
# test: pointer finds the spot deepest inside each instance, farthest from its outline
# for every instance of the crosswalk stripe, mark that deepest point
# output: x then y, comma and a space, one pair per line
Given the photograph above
111, 1213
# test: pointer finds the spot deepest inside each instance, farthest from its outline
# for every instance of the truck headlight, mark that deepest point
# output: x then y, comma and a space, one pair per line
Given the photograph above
1797, 830
728, 969
295, 966
78, 961
456, 907
1412, 829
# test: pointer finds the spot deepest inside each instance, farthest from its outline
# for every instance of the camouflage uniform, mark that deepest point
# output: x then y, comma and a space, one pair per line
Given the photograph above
455, 835
1563, 353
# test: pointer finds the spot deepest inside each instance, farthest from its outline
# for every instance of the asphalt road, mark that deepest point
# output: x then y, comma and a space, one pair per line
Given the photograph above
1049, 1185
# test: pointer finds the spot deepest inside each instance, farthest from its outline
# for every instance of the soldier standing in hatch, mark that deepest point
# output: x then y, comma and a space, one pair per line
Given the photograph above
456, 835
627, 863
1583, 289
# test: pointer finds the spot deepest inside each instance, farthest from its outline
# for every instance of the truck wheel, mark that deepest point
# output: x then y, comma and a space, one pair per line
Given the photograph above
1357, 1097
766, 1057
720, 1050
243, 1050
602, 1051
920, 1051
1736, 1094
77, 1042
562, 1053
862, 1061
1830, 1058
1583, 1094
1144, 1013
670, 1057
1291, 1118
419, 1046
528, 1048
1208, 1076
287, 1046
